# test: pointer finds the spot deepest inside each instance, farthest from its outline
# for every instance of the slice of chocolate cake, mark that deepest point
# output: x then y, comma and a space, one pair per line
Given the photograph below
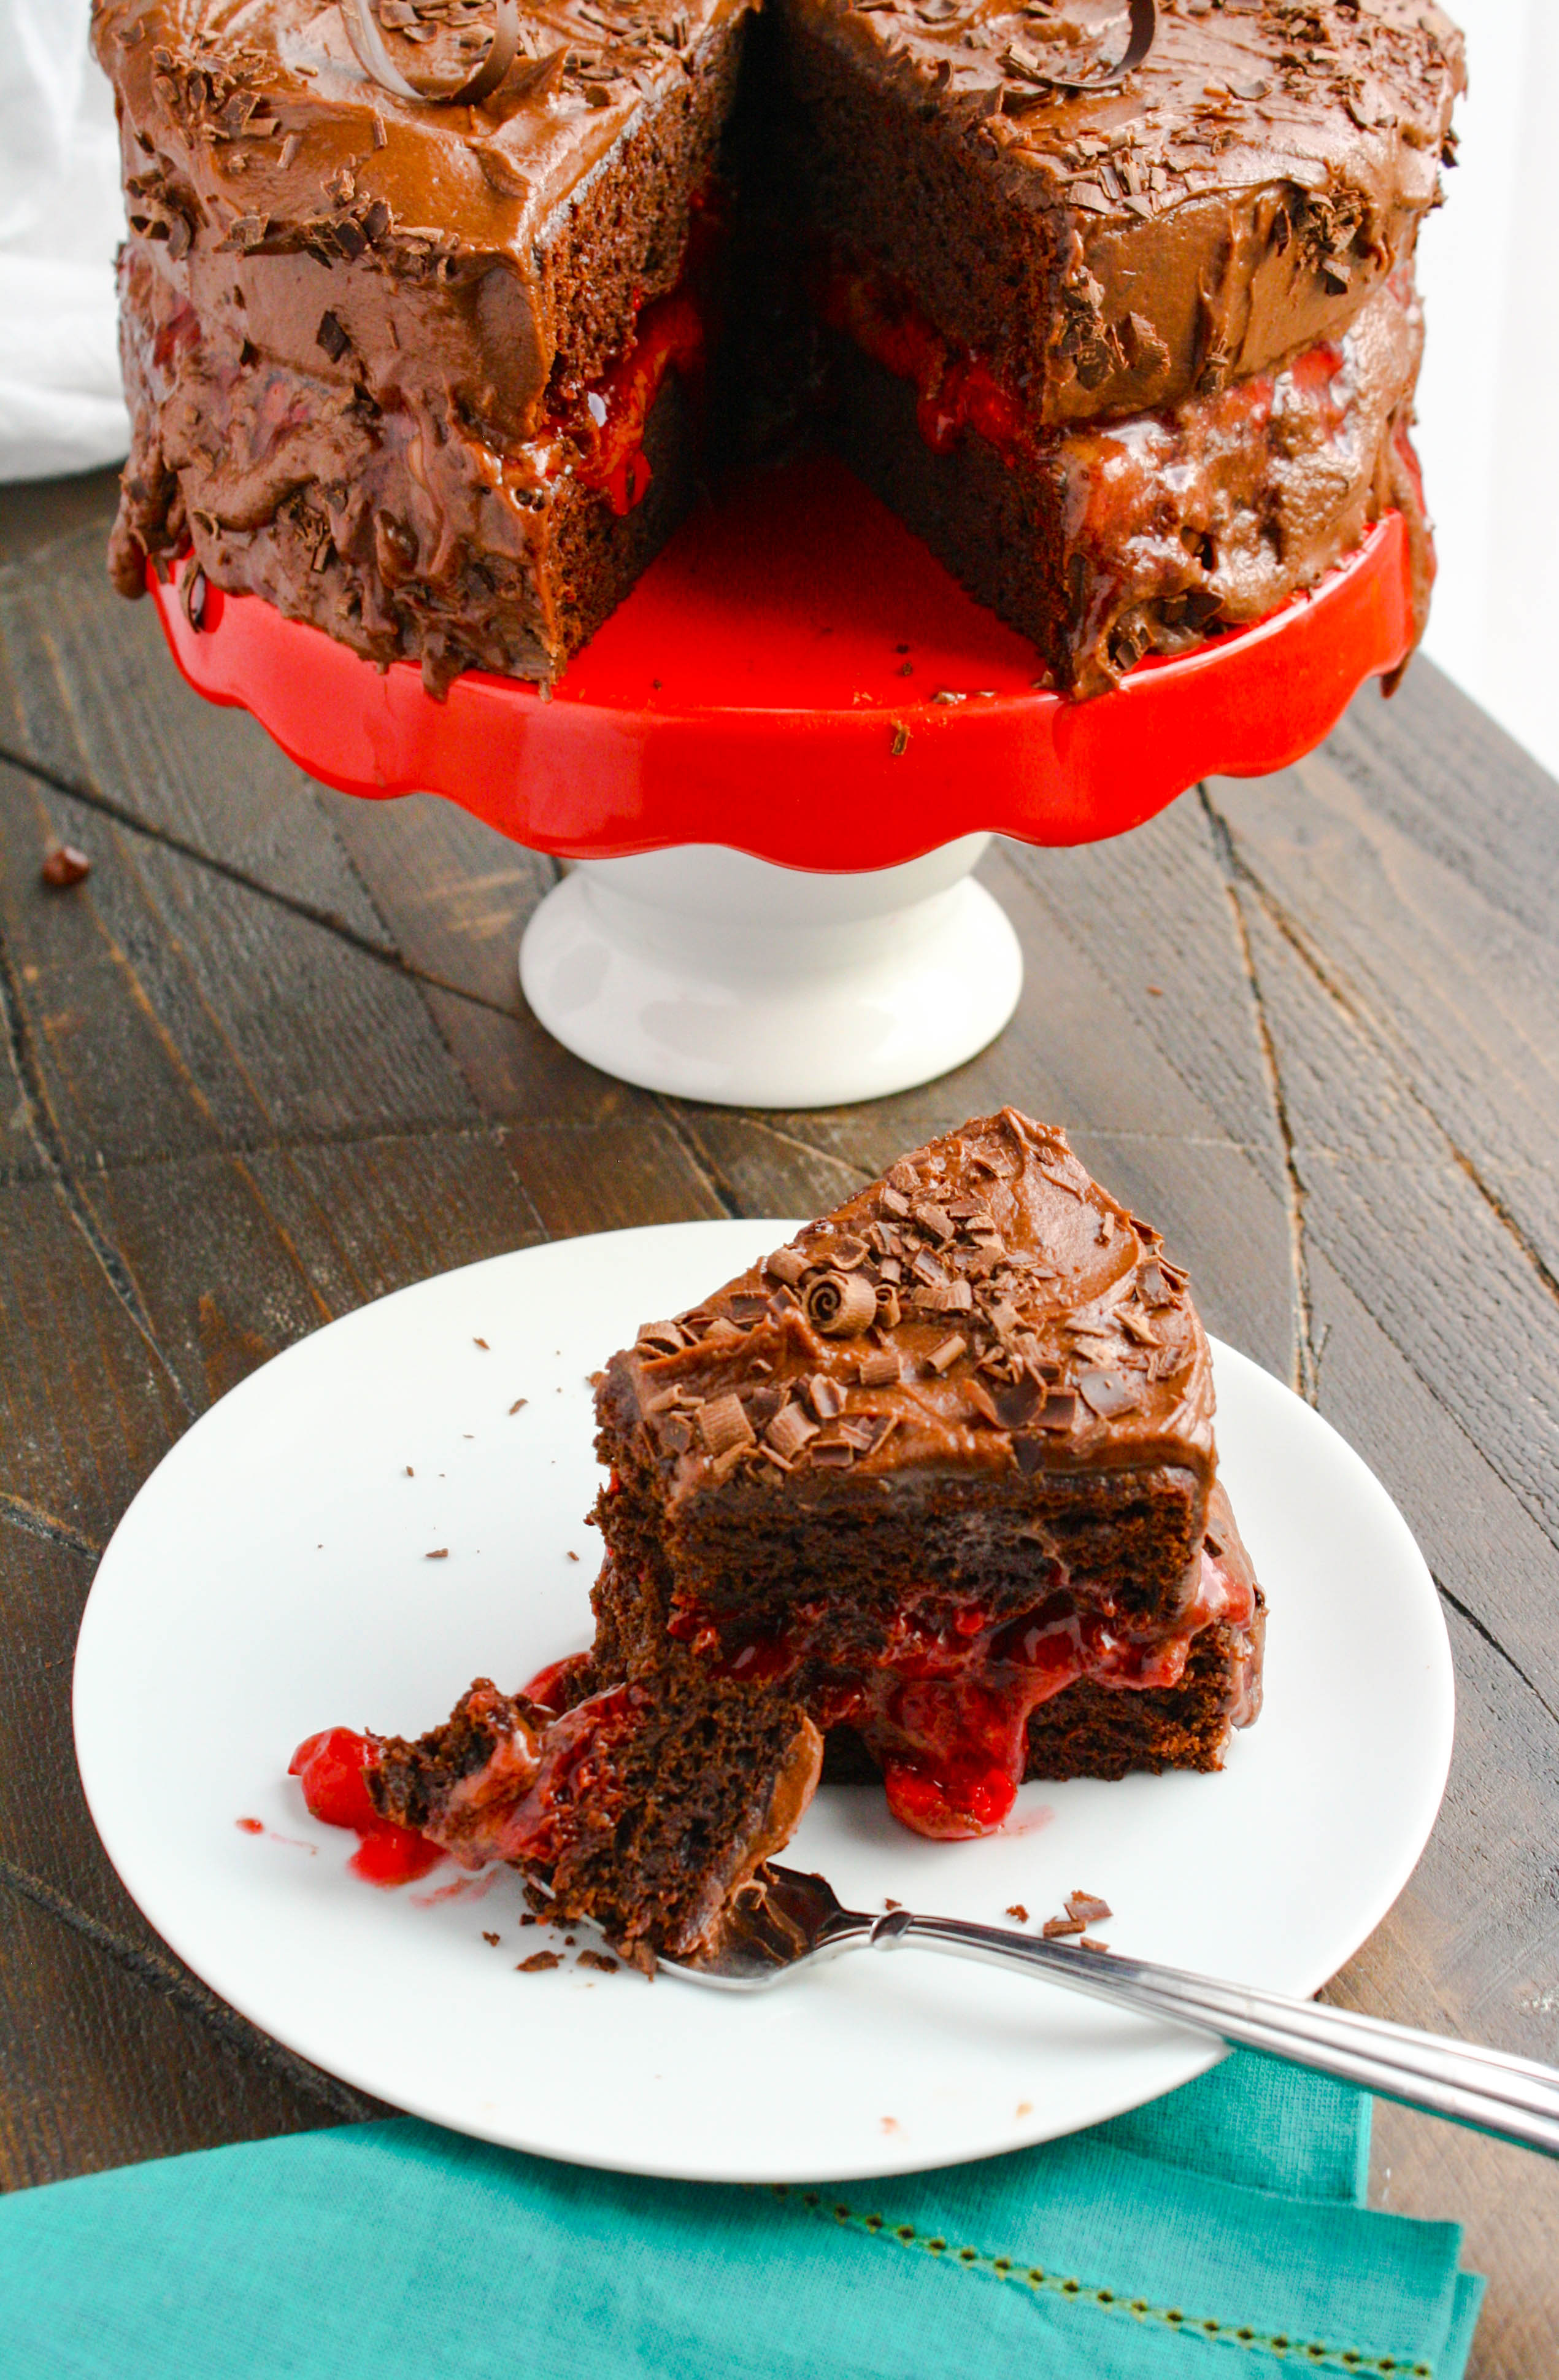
937, 1480
423, 374
1133, 352
942, 1469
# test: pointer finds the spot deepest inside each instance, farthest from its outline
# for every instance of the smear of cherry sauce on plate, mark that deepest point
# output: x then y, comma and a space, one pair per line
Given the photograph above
332, 1769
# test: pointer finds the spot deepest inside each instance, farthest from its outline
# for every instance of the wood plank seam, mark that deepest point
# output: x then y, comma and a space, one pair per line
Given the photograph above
681, 1127
328, 921
26, 1517
48, 1142
176, 1985
1489, 1639
1372, 1029
1308, 1353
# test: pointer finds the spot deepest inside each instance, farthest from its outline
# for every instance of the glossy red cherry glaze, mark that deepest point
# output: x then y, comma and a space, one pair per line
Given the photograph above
955, 390
550, 1689
944, 1706
332, 1769
608, 427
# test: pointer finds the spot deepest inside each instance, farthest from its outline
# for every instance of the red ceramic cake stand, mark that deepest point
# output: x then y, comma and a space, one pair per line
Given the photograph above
777, 765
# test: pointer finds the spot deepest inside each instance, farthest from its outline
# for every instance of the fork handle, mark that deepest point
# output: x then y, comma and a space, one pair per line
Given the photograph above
1515, 2098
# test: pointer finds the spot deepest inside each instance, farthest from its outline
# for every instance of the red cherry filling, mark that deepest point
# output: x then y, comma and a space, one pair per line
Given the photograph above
332, 1769
944, 1705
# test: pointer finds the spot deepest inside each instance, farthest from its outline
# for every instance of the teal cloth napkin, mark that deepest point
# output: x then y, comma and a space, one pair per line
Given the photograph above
1220, 2231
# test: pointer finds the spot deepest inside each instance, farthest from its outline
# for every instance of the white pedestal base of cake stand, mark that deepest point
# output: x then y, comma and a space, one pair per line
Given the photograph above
704, 973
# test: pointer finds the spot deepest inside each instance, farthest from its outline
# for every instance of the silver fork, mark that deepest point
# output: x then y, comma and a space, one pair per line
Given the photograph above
792, 1922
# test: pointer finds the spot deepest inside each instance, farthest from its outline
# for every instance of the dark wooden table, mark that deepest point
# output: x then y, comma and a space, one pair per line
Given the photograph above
271, 1059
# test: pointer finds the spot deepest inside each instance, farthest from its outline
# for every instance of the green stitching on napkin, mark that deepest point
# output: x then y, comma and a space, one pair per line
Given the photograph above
1313, 2352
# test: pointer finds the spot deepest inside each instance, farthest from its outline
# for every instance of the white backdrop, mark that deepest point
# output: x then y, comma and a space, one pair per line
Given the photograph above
1489, 402
1489, 399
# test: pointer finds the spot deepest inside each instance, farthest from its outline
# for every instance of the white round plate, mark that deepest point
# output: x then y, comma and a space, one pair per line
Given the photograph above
271, 1579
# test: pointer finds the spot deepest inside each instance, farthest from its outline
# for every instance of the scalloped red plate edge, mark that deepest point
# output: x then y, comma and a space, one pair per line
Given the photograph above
812, 788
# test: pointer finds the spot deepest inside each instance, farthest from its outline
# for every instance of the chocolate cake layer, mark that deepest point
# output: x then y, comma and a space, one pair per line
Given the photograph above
1235, 199
328, 288
1105, 542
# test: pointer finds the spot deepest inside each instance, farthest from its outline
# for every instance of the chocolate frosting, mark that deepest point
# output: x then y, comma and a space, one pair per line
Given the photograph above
261, 157
1236, 197
984, 1305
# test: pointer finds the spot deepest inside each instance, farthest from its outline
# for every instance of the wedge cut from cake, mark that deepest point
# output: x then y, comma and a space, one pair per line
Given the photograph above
930, 1491
944, 1469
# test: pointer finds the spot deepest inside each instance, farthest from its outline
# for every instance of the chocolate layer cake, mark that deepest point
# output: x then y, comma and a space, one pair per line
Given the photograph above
1133, 350
935, 1482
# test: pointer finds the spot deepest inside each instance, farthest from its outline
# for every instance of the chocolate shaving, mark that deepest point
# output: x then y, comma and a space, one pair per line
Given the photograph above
840, 1305
1055, 1928
1109, 1393
787, 1265
1059, 1410
790, 1430
946, 1297
944, 1356
880, 1367
1087, 1908
662, 1338
1152, 1284
1017, 1404
831, 1454
368, 42
723, 1425
824, 1396
333, 338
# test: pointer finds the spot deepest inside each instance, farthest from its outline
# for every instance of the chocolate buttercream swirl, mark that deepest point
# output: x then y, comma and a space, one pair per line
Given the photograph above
368, 42
1141, 34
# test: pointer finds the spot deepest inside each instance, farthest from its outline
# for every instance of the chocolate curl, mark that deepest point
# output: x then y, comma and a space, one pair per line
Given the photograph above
1141, 36
368, 42
722, 1424
841, 1305
788, 1431
880, 1368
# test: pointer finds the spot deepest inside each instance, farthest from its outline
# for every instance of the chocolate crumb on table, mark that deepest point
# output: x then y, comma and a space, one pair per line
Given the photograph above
494, 1938
1019, 1912
539, 1963
598, 1959
64, 864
